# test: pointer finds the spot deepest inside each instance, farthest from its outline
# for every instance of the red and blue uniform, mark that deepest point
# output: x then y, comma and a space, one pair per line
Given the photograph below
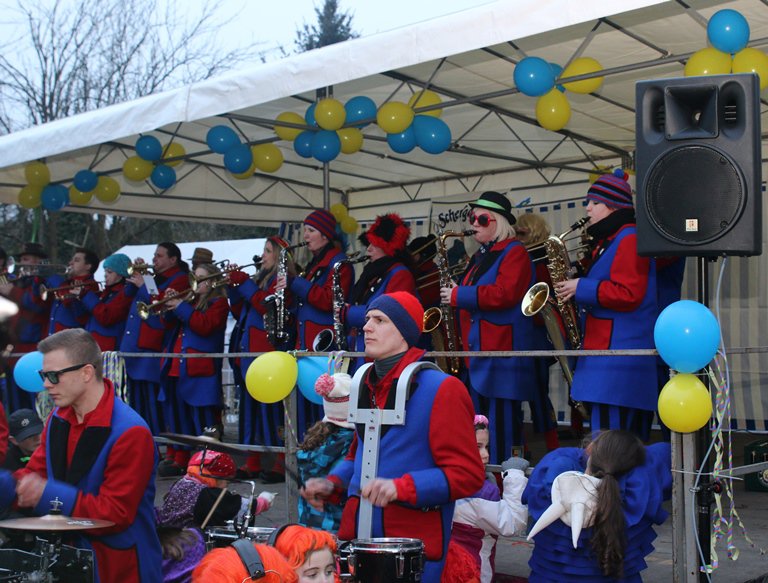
617, 301
488, 300
109, 311
69, 312
432, 459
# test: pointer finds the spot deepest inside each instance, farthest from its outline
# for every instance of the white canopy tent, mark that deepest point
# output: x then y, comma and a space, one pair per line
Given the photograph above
468, 58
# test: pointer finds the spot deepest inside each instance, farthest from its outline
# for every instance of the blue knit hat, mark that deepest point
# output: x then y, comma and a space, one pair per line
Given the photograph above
405, 311
612, 190
118, 263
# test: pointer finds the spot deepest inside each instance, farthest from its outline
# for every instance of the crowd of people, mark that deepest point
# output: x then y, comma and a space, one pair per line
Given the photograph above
437, 429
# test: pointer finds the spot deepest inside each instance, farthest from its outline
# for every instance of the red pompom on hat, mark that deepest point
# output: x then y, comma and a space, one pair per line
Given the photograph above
389, 233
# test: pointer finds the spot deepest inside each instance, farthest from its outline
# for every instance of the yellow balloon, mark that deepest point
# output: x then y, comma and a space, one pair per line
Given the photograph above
351, 140
330, 114
107, 190
708, 61
271, 377
78, 197
339, 211
286, 133
349, 225
394, 117
29, 196
37, 174
685, 404
426, 98
583, 66
268, 157
136, 169
553, 110
173, 150
751, 60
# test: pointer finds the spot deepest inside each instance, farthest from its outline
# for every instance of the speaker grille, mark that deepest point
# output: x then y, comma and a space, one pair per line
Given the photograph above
694, 194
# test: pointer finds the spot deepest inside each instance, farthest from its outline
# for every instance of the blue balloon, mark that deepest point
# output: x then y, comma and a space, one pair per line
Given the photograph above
309, 116
54, 197
534, 77
728, 31
25, 373
303, 143
360, 108
326, 145
163, 176
238, 159
403, 142
687, 336
557, 70
149, 148
86, 180
221, 138
432, 134
311, 367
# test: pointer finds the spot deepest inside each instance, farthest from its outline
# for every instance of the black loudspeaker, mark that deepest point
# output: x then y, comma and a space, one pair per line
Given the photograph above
698, 166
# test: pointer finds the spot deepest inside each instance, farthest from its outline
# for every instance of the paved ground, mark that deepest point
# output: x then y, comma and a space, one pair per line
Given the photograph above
513, 554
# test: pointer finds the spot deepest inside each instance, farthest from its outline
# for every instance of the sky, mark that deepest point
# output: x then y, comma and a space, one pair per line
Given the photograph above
274, 23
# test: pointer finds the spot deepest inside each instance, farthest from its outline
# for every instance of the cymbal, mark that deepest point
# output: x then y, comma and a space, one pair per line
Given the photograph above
214, 444
54, 522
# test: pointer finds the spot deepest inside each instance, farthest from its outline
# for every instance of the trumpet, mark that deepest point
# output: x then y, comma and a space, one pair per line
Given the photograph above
57, 291
141, 268
40, 269
146, 310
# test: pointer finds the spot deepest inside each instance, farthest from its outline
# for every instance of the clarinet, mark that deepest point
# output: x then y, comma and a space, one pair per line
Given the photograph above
277, 321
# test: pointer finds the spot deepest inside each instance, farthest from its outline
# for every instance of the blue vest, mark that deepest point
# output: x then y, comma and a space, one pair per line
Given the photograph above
140, 537
90, 300
628, 381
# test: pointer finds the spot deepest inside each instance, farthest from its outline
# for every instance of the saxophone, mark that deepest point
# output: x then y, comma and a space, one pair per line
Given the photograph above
276, 316
446, 337
326, 339
537, 301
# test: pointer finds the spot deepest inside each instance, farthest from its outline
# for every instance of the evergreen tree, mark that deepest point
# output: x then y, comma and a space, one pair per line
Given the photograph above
333, 26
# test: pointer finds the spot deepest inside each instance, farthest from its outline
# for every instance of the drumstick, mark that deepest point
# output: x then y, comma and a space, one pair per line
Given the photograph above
213, 508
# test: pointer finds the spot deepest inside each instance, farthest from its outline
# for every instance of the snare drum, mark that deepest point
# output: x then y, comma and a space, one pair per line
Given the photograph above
386, 560
222, 536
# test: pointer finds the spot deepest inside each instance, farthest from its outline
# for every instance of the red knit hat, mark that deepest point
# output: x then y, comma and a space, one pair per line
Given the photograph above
405, 311
389, 233
218, 464
323, 221
279, 242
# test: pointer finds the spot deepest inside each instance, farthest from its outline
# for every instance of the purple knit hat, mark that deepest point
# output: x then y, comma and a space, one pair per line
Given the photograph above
612, 190
323, 221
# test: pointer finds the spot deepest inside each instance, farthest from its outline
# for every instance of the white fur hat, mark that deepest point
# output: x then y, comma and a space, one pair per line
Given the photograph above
335, 392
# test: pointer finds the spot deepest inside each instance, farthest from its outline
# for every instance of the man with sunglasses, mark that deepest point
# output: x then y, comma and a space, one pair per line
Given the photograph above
488, 301
96, 460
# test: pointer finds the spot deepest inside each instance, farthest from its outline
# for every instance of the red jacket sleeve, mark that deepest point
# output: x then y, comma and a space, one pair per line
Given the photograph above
512, 281
625, 289
206, 322
402, 280
321, 297
3, 434
109, 313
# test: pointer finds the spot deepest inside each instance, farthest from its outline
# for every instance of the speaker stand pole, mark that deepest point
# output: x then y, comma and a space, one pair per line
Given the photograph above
703, 496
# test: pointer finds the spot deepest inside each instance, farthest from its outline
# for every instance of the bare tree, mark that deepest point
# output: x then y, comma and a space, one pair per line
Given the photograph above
69, 56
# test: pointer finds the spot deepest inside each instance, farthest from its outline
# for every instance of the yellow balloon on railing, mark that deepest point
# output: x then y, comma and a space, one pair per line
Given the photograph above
751, 60
287, 133
30, 196
79, 197
271, 377
37, 174
685, 404
583, 66
426, 98
553, 110
708, 61
394, 117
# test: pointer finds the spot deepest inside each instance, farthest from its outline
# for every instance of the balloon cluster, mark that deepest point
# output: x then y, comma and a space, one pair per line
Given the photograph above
154, 161
330, 138
407, 129
687, 336
242, 160
39, 191
535, 77
344, 221
728, 33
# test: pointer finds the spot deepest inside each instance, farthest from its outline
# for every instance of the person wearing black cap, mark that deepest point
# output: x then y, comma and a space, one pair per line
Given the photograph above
24, 429
488, 299
424, 464
387, 271
617, 298
30, 324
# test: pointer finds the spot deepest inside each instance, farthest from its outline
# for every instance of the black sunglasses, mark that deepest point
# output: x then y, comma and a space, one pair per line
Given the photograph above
482, 220
53, 375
